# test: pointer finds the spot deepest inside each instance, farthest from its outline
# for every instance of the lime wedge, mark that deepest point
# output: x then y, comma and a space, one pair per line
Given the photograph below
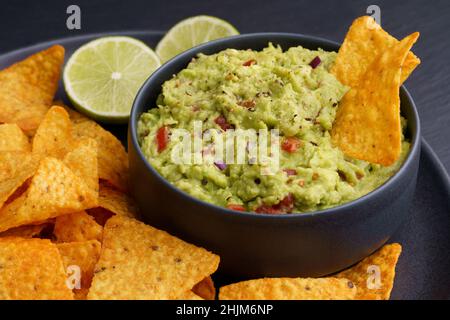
103, 76
191, 32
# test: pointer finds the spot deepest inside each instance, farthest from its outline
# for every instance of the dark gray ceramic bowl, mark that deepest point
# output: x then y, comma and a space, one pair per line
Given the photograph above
254, 245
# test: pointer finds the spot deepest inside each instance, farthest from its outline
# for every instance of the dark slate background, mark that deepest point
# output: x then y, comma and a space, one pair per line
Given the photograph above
23, 23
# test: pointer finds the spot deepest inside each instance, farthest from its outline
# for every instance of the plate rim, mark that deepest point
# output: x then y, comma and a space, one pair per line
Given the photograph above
426, 149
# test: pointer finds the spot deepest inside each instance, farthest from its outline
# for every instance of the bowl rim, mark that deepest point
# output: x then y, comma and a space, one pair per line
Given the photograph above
340, 209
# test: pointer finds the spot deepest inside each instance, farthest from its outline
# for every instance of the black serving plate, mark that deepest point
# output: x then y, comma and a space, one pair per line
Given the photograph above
423, 268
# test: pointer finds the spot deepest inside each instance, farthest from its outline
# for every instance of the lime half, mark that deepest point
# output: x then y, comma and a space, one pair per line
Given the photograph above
191, 32
103, 76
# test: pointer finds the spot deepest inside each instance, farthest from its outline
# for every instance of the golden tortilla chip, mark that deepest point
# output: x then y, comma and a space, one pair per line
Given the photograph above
74, 115
54, 190
189, 295
140, 262
116, 202
364, 274
54, 136
16, 168
367, 124
27, 88
290, 289
77, 226
364, 42
30, 231
31, 269
112, 157
82, 160
83, 255
12, 138
205, 289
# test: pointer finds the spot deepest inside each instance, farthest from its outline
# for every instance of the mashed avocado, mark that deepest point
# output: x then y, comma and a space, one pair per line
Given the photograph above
292, 91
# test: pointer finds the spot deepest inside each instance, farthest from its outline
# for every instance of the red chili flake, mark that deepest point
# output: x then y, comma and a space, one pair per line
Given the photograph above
290, 172
236, 207
162, 138
301, 183
291, 144
223, 123
248, 63
315, 62
315, 176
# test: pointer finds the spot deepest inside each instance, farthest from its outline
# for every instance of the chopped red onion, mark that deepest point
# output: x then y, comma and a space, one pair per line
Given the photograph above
315, 62
221, 165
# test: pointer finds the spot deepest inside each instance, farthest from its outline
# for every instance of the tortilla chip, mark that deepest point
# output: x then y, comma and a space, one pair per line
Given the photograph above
30, 231
205, 289
85, 255
367, 124
12, 138
112, 157
189, 295
77, 226
289, 289
31, 269
54, 190
82, 160
74, 115
54, 136
27, 88
16, 168
361, 274
364, 42
112, 202
140, 262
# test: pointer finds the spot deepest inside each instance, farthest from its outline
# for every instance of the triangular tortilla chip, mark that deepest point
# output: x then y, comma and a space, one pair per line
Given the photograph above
30, 231
27, 88
140, 262
83, 255
289, 289
77, 226
31, 269
82, 160
112, 157
380, 264
54, 190
75, 116
364, 42
205, 289
367, 124
12, 138
53, 137
16, 167
112, 202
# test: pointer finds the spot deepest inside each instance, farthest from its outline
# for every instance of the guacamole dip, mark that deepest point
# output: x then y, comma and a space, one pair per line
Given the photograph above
291, 91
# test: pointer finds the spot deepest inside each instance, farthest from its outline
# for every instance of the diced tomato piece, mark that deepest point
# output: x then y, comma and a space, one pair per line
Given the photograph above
291, 144
284, 206
223, 123
236, 207
248, 63
162, 138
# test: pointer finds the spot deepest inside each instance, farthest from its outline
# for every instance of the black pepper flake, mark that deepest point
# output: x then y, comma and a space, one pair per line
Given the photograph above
178, 260
350, 284
154, 248
257, 180
204, 182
